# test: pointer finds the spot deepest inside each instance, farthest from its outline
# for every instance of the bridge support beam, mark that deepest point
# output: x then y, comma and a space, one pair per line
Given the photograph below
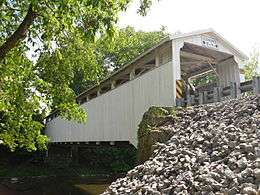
99, 92
113, 84
256, 85
75, 154
233, 90
190, 100
201, 98
132, 75
217, 95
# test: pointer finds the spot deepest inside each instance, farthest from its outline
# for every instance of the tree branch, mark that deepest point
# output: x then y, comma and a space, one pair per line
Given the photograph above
19, 34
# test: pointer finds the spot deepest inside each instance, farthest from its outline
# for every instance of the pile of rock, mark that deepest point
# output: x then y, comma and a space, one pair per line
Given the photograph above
215, 150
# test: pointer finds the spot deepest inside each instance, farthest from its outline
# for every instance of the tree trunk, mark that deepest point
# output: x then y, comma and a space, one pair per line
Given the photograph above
19, 34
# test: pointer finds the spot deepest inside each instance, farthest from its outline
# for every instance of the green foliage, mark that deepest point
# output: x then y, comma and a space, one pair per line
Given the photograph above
127, 45
110, 54
28, 91
153, 118
209, 78
150, 119
252, 67
20, 104
79, 83
56, 18
59, 70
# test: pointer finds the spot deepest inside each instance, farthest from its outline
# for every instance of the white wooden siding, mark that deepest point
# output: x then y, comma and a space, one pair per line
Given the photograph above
115, 115
228, 72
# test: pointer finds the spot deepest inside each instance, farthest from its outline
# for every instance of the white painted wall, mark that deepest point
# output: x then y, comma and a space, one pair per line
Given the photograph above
115, 115
228, 72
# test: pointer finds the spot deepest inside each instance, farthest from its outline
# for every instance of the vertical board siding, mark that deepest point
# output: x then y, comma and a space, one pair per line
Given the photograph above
229, 72
115, 115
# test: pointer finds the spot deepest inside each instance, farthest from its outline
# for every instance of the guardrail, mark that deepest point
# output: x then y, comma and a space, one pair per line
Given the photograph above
218, 93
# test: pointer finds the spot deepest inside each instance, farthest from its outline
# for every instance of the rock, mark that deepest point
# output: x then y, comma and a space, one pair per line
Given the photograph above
14, 180
229, 174
257, 163
249, 191
257, 174
242, 163
248, 172
233, 191
213, 149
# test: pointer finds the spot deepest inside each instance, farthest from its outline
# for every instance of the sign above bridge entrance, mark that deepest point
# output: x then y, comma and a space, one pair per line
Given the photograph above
209, 42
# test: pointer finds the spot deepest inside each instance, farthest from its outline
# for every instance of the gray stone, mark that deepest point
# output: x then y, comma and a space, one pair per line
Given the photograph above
242, 163
214, 150
249, 191
257, 173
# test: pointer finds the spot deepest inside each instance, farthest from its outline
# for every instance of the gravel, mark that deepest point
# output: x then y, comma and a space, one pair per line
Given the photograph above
215, 150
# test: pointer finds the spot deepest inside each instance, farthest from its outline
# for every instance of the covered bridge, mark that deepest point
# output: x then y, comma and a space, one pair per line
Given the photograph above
155, 78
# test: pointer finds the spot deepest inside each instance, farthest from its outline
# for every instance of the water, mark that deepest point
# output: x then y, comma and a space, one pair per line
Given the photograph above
53, 186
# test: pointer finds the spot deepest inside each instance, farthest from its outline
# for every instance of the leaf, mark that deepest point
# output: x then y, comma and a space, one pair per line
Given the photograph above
70, 61
59, 55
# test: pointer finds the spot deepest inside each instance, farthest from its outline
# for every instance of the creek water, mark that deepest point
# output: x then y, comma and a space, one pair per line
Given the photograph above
53, 186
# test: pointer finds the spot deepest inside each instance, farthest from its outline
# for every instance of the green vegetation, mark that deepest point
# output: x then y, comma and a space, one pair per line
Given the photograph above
149, 120
127, 45
208, 78
104, 56
28, 91
153, 118
252, 67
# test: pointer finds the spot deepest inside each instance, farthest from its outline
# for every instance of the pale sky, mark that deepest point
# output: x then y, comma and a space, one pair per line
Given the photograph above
236, 20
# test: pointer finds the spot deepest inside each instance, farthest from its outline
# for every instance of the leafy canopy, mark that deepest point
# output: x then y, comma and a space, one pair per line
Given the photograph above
252, 67
29, 90
127, 45
20, 109
109, 55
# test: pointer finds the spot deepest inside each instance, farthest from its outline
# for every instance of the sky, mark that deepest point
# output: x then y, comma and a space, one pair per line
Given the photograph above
236, 20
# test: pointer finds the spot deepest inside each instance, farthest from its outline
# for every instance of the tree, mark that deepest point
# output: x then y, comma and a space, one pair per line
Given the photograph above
52, 20
27, 90
252, 67
109, 55
20, 109
127, 45
205, 79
